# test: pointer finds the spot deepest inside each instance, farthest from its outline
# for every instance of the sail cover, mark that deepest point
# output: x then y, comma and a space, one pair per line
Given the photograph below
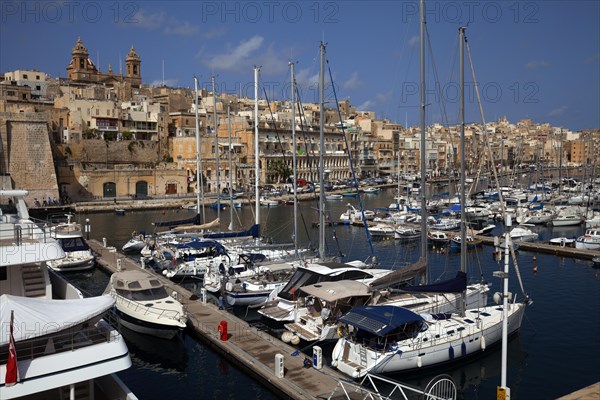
454, 285
194, 221
37, 317
379, 320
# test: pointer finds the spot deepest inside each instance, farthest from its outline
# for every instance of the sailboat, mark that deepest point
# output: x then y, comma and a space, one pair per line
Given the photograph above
385, 339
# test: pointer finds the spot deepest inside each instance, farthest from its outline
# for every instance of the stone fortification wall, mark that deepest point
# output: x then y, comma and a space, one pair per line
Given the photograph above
100, 151
26, 154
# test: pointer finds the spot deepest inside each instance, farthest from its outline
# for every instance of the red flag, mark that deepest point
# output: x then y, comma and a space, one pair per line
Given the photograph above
12, 372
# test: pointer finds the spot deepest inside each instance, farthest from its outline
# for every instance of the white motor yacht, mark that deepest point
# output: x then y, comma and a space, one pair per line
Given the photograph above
77, 353
79, 256
143, 304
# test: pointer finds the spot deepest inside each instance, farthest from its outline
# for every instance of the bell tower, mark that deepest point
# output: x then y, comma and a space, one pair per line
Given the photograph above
81, 67
132, 67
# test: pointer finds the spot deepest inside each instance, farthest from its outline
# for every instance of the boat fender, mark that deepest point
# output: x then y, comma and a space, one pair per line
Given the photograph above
295, 340
229, 286
419, 361
286, 337
451, 353
482, 343
463, 349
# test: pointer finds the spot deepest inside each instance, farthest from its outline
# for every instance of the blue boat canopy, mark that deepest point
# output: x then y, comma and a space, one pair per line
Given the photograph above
454, 285
379, 320
202, 244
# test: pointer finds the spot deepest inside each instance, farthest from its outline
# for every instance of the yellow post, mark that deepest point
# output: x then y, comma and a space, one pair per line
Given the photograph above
501, 393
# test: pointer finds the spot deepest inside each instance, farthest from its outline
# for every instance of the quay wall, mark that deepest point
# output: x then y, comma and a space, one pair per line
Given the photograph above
26, 153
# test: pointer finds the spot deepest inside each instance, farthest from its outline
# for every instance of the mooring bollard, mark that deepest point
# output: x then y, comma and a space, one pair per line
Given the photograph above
118, 264
104, 242
279, 366
203, 295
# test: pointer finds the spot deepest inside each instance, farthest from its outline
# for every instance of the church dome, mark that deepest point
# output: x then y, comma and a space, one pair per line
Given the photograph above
132, 55
79, 48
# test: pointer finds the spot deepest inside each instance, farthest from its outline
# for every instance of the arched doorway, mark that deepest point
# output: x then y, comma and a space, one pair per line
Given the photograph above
141, 189
110, 189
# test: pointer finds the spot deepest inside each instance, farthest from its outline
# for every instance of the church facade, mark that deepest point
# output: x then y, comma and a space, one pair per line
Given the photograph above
82, 69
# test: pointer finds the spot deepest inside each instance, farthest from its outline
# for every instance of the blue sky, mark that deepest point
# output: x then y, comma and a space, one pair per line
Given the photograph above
532, 59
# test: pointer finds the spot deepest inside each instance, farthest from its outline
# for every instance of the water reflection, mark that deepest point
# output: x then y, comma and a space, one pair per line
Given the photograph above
159, 355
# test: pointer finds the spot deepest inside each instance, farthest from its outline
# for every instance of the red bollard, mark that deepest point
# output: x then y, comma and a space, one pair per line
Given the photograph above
223, 331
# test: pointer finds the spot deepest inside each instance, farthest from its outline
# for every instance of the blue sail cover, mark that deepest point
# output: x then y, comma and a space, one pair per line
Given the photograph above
454, 285
254, 231
193, 221
379, 320
202, 244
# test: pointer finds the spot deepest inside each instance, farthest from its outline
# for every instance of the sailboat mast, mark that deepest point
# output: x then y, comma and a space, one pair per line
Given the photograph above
294, 166
321, 154
215, 128
463, 214
230, 166
198, 157
423, 142
256, 154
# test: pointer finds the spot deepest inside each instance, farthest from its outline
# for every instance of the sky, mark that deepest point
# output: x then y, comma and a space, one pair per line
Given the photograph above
531, 59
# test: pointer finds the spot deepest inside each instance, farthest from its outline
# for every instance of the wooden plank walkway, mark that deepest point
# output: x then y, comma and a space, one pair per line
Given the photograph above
248, 347
591, 392
548, 248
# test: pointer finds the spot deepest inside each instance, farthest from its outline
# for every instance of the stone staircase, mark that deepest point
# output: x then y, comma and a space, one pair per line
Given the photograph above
34, 281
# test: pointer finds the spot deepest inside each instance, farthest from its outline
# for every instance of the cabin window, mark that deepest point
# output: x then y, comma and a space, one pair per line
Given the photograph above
3, 274
450, 332
460, 329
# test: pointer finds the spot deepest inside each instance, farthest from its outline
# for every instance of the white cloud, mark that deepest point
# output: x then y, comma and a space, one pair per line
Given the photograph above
169, 25
534, 64
214, 33
557, 112
238, 57
304, 78
413, 41
366, 106
353, 83
167, 82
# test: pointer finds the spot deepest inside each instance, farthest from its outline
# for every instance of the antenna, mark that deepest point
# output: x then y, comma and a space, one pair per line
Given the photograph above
163, 72
98, 59
120, 65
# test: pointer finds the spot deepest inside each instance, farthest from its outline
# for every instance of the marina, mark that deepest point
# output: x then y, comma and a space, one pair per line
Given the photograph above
529, 358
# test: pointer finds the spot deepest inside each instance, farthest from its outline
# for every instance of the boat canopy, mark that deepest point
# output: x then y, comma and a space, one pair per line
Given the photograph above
334, 291
134, 280
254, 231
195, 220
455, 285
202, 244
379, 320
35, 317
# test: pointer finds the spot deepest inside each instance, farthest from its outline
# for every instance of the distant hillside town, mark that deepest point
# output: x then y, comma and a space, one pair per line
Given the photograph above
102, 135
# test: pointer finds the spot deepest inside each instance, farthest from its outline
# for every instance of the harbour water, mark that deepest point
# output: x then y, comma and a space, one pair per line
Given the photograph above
556, 353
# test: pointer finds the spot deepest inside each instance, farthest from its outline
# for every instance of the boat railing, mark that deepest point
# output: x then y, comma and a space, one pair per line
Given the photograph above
62, 341
21, 232
149, 310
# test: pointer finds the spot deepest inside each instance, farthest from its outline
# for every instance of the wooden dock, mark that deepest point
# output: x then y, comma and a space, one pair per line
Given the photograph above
548, 249
248, 347
591, 392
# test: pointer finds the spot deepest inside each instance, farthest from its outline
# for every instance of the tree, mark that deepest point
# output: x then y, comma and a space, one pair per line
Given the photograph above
279, 169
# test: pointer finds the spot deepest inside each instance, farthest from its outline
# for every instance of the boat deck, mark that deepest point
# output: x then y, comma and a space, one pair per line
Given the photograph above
252, 349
